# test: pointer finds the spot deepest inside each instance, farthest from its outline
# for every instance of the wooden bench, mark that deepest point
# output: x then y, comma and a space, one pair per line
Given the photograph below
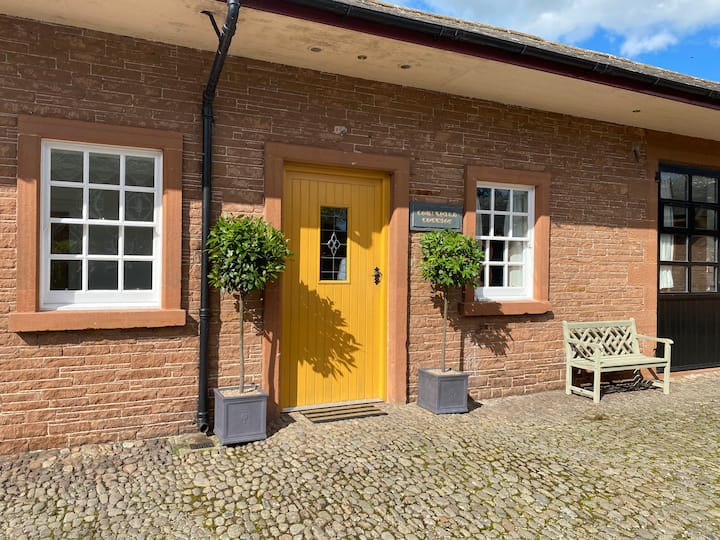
607, 346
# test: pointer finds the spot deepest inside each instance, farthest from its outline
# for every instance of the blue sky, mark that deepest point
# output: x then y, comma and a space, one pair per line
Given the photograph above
680, 35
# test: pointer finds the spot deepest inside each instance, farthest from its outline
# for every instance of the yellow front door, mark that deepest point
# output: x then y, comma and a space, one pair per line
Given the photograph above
334, 296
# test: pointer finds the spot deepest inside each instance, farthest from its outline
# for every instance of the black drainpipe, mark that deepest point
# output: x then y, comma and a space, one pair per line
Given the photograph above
224, 39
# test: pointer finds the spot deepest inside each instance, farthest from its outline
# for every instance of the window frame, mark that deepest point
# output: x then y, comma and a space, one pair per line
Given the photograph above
538, 303
28, 315
507, 292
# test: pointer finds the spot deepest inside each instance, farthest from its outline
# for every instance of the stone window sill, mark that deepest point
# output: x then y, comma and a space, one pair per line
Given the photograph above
47, 321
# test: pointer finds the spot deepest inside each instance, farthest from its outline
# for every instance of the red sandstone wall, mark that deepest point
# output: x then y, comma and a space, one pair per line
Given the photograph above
66, 388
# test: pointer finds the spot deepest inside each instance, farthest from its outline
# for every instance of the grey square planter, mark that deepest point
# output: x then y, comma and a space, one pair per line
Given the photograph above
443, 393
240, 417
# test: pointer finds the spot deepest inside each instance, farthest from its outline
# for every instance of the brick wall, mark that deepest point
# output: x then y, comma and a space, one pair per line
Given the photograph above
65, 388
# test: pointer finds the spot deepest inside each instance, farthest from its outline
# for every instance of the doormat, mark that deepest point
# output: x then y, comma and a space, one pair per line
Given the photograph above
343, 412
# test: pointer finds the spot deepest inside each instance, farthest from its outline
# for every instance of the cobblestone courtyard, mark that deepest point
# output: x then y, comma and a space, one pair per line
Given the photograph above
639, 465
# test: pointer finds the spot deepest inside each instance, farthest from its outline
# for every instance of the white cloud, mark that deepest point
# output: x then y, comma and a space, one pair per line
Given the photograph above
635, 45
639, 25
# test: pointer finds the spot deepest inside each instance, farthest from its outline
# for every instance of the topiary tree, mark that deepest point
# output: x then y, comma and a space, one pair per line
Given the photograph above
449, 260
245, 253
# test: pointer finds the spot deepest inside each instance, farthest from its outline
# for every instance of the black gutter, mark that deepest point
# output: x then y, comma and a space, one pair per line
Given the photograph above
443, 36
224, 39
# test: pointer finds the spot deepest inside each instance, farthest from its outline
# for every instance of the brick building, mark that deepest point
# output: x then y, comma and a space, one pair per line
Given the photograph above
591, 181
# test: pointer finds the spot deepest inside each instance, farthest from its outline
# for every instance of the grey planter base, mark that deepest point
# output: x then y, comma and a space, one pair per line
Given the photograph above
240, 418
442, 393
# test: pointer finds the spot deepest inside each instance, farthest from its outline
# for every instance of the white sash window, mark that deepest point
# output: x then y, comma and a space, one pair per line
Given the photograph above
101, 215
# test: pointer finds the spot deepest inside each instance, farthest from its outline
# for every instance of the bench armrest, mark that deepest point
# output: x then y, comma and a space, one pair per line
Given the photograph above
666, 341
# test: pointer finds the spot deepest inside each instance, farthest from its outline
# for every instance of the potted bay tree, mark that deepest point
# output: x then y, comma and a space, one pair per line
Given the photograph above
245, 253
450, 260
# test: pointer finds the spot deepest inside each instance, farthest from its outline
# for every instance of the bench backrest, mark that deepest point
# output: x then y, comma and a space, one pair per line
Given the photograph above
615, 337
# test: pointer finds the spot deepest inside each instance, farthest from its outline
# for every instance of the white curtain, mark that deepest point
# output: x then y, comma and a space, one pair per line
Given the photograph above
667, 249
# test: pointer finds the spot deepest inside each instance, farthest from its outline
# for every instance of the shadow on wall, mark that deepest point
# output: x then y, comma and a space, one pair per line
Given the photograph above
491, 333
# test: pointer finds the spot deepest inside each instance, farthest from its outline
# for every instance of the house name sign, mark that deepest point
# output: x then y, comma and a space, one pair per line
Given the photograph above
430, 216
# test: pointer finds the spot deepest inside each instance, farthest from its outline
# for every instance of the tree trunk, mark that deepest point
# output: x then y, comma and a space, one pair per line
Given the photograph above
241, 311
444, 340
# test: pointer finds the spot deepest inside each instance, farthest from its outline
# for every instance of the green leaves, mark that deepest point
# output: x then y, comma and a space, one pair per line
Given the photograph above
449, 259
245, 253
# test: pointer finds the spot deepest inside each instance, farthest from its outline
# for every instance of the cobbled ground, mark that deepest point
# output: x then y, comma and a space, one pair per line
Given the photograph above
639, 465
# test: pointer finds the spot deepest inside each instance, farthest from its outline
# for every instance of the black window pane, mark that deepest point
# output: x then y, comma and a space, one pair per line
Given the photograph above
703, 279
66, 238
706, 219
484, 196
66, 202
138, 241
65, 275
496, 276
497, 250
104, 169
138, 275
673, 186
502, 200
704, 189
675, 216
502, 226
139, 171
104, 204
102, 275
103, 240
139, 206
66, 166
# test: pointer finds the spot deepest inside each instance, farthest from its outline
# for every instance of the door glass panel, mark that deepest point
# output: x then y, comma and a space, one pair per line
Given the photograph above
675, 216
703, 279
673, 278
673, 186
333, 243
705, 219
704, 189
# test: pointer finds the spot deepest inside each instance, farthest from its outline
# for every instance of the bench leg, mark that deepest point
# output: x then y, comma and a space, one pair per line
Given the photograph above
568, 379
666, 381
596, 386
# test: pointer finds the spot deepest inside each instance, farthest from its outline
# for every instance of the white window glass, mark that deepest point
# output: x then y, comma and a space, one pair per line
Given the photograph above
504, 230
100, 237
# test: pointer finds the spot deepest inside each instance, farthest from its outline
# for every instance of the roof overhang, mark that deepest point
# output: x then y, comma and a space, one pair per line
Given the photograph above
295, 33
